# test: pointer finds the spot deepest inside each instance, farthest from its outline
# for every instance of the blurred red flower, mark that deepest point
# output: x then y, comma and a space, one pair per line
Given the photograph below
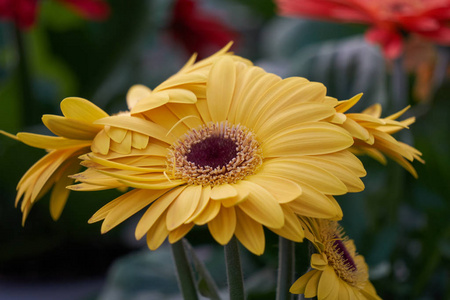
389, 20
198, 31
24, 12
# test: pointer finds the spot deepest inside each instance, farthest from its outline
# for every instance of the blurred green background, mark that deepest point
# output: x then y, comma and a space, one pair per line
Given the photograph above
399, 224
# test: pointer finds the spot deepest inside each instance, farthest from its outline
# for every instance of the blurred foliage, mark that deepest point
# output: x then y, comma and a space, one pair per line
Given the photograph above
399, 224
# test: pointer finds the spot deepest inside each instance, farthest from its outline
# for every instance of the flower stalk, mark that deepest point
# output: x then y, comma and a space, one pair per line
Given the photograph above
184, 271
234, 270
286, 269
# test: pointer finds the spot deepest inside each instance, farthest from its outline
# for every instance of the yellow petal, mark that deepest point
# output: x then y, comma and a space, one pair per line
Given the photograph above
347, 159
157, 233
312, 285
314, 204
250, 233
124, 146
260, 97
155, 99
59, 195
351, 180
220, 88
155, 211
345, 105
87, 187
279, 120
223, 191
356, 130
262, 206
299, 285
11, 136
70, 128
136, 93
164, 117
178, 233
183, 207
152, 185
282, 189
49, 142
203, 203
252, 83
56, 158
243, 77
101, 143
242, 194
324, 138
116, 134
188, 113
139, 125
223, 225
328, 285
180, 80
319, 261
135, 201
292, 229
210, 212
81, 109
202, 107
139, 141
181, 96
301, 172
298, 91
368, 120
398, 114
373, 110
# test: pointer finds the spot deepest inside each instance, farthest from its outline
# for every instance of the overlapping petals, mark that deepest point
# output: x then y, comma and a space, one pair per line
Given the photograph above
373, 134
302, 157
75, 131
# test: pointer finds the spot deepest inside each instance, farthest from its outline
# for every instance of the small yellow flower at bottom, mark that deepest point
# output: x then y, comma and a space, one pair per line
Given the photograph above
338, 272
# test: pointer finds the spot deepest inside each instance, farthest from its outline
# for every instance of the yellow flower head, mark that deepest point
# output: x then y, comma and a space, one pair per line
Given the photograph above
338, 272
373, 134
249, 150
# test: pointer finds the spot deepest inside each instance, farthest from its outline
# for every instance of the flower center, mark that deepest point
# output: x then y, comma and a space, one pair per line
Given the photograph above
341, 256
215, 153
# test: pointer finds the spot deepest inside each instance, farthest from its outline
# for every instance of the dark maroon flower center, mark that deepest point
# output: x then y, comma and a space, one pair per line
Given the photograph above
214, 151
342, 250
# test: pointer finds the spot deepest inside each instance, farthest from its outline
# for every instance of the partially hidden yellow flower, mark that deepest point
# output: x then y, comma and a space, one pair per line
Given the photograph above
338, 272
373, 134
250, 150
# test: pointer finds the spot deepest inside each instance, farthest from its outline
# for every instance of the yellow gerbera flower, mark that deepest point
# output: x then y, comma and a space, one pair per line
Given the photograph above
338, 272
253, 150
373, 135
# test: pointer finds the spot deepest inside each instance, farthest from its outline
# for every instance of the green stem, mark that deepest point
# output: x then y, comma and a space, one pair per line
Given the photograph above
209, 283
184, 272
234, 271
286, 269
28, 107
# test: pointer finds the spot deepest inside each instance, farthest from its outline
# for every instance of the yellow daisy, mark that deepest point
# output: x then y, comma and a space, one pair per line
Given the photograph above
254, 150
373, 135
338, 272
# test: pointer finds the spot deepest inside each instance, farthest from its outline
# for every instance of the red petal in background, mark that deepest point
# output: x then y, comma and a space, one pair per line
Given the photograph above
98, 10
